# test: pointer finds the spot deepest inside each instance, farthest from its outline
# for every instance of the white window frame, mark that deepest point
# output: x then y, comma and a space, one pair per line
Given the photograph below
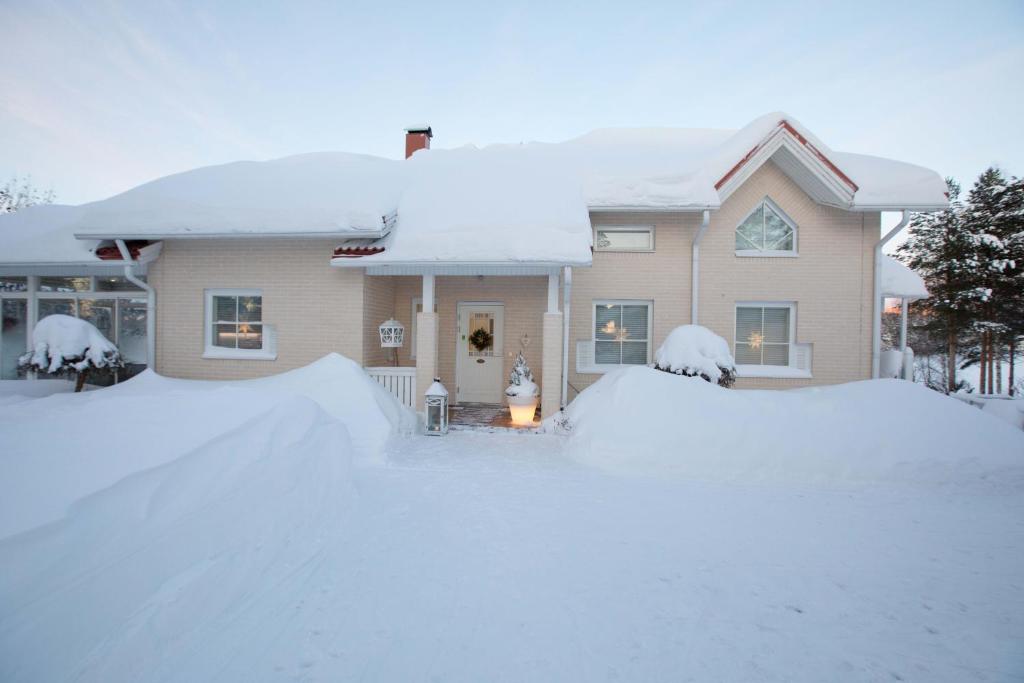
791, 371
624, 228
601, 368
267, 352
770, 253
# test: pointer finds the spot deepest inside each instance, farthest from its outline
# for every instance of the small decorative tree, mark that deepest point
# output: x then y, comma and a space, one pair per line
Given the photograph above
520, 380
65, 345
695, 351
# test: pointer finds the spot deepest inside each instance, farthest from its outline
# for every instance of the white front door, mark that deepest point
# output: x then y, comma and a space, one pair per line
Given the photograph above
478, 354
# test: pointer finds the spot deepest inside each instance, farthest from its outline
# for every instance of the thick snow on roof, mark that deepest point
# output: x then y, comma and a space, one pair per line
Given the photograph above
44, 235
329, 192
900, 281
501, 203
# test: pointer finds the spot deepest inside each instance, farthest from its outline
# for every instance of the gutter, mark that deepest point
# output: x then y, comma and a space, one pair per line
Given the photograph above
566, 300
129, 274
695, 266
876, 314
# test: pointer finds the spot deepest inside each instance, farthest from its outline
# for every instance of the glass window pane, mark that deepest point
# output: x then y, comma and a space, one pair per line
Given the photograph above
607, 321
100, 312
117, 284
250, 336
776, 354
13, 284
750, 233
132, 331
250, 308
13, 336
225, 308
607, 353
225, 336
634, 322
747, 354
64, 284
777, 233
634, 353
776, 325
626, 240
54, 306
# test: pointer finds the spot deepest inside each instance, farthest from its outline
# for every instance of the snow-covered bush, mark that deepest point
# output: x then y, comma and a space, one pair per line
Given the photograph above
65, 345
520, 380
695, 351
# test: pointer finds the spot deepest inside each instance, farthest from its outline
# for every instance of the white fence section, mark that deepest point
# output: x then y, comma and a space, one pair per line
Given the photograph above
399, 381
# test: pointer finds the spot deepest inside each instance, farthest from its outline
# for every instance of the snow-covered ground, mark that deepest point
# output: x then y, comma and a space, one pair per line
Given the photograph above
277, 551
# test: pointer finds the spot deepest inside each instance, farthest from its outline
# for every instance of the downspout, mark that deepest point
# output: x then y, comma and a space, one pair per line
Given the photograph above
129, 274
695, 266
566, 298
876, 316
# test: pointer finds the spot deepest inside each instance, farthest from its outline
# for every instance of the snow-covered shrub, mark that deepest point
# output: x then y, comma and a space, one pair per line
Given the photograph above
65, 345
520, 380
696, 351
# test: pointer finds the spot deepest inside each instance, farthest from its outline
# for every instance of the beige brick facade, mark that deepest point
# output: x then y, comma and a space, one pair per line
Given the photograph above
317, 309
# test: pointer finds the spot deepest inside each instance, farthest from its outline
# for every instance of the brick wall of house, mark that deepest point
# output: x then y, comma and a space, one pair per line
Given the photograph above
316, 308
378, 306
830, 280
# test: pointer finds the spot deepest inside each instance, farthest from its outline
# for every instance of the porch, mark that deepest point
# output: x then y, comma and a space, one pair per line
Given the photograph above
469, 334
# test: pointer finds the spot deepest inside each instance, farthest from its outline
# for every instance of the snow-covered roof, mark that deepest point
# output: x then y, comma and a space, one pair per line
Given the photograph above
496, 204
44, 235
901, 282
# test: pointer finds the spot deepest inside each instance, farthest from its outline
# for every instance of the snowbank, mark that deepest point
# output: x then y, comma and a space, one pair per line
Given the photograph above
108, 435
162, 561
695, 350
640, 419
59, 338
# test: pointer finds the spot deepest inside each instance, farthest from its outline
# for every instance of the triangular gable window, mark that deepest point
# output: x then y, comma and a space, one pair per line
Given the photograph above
766, 231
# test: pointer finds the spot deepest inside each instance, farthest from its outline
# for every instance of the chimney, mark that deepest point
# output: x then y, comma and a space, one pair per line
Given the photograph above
417, 138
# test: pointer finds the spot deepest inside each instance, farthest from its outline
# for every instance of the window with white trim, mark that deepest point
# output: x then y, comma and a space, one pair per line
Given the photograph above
766, 231
234, 324
764, 333
624, 238
622, 332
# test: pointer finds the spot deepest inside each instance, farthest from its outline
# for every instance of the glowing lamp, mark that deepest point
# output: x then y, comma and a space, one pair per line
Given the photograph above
435, 405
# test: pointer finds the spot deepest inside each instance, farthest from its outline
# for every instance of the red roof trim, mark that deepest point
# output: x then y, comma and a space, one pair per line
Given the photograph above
356, 252
785, 125
112, 253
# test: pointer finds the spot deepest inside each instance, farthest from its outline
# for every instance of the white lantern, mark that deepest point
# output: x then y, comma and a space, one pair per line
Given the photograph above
392, 334
436, 408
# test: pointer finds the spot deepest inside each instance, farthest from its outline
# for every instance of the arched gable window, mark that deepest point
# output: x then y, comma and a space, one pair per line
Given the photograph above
766, 231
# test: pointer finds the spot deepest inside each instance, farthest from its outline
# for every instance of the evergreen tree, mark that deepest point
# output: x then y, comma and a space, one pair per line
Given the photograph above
943, 251
993, 217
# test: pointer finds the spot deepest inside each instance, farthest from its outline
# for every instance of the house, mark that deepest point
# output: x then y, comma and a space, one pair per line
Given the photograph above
582, 254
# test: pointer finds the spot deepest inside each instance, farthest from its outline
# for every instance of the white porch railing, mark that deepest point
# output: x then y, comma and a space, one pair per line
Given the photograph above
399, 381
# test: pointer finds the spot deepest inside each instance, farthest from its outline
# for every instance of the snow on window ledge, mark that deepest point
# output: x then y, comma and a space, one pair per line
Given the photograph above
218, 353
766, 254
604, 368
772, 371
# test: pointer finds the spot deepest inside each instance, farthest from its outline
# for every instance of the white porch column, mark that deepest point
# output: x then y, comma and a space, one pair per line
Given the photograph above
551, 353
426, 343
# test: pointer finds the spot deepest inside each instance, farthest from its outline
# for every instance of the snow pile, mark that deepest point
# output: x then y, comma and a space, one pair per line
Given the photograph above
338, 384
900, 281
640, 419
106, 436
61, 339
695, 351
140, 576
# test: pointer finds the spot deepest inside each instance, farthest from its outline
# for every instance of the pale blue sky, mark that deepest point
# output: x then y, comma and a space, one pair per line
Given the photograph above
96, 97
